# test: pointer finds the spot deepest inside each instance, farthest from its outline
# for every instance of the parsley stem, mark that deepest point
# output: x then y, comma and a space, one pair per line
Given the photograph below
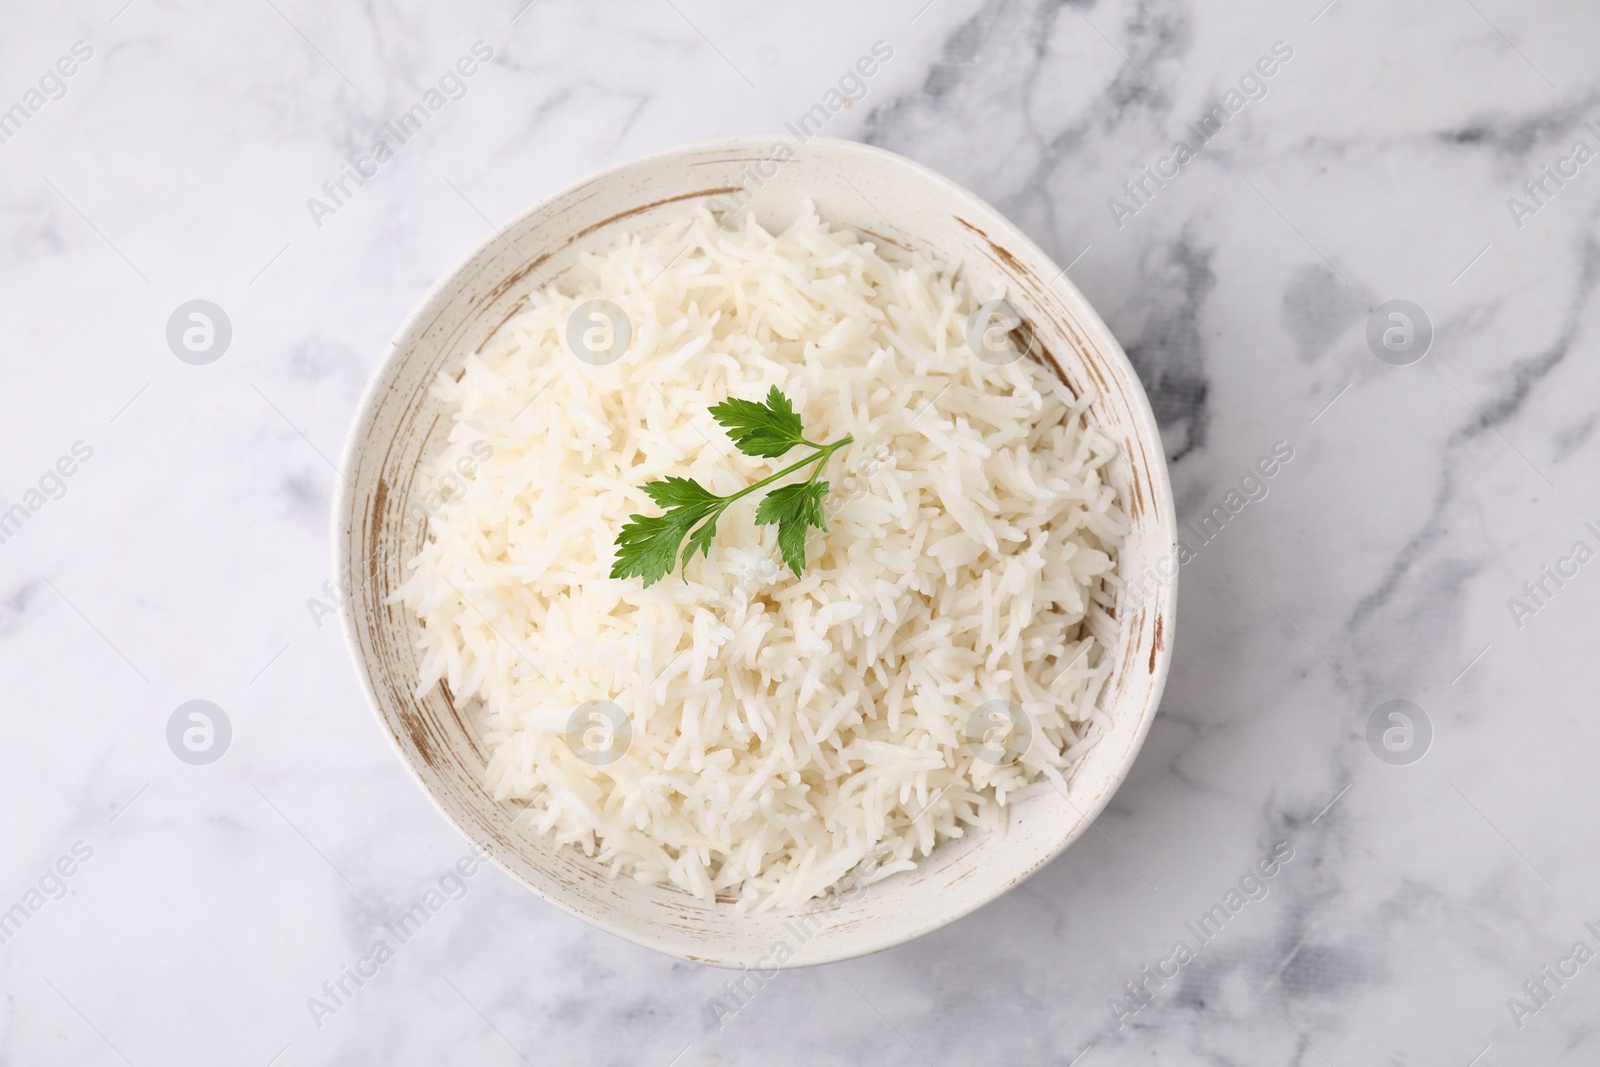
819, 457
651, 547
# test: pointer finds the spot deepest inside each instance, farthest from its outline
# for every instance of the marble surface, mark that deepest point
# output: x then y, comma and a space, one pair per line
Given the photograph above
185, 558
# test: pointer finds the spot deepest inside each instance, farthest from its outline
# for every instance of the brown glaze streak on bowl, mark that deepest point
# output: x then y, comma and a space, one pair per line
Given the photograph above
399, 428
1006, 259
722, 160
698, 194
1135, 505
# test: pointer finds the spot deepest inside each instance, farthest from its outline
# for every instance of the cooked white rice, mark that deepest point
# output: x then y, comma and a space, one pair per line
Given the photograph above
781, 732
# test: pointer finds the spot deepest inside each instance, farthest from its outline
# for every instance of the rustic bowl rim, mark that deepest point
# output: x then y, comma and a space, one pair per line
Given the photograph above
1148, 432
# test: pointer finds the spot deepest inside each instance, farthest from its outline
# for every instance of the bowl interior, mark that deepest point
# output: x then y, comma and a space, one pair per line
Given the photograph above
400, 428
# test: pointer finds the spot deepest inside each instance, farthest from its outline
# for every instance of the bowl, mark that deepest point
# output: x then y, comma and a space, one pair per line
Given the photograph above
399, 428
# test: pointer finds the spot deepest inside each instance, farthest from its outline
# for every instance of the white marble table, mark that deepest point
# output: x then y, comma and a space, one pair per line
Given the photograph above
184, 556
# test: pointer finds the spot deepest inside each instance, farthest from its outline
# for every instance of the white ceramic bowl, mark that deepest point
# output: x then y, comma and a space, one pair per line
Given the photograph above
399, 427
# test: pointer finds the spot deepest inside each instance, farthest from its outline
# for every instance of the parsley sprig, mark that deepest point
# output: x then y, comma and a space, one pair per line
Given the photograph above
648, 546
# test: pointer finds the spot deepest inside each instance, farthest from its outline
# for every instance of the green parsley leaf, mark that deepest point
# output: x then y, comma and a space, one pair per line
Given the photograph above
799, 502
794, 508
769, 429
650, 546
675, 492
647, 547
701, 538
